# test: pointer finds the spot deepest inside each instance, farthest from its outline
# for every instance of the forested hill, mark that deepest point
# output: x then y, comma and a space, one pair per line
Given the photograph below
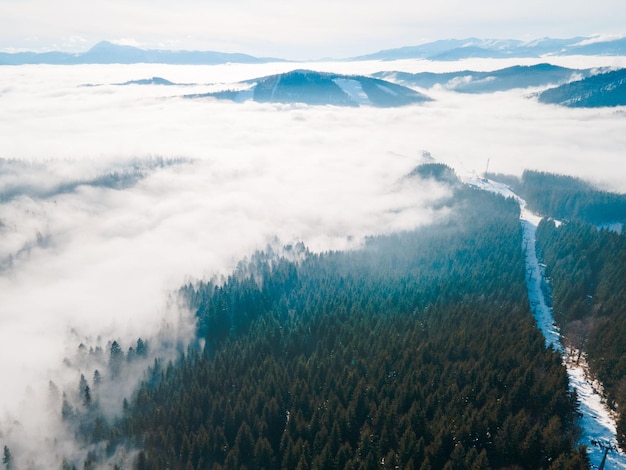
565, 197
604, 89
417, 351
320, 88
473, 81
588, 268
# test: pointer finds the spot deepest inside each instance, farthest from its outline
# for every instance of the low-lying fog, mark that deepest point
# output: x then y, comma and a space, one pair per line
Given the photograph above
111, 197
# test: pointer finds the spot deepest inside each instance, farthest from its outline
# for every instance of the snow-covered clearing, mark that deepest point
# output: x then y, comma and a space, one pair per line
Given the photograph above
387, 89
353, 89
597, 420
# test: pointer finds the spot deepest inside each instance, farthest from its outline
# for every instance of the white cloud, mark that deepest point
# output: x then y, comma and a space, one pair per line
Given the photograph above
596, 38
104, 261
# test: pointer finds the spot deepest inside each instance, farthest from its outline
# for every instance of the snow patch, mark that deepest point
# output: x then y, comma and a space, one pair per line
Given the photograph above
535, 277
353, 89
597, 421
386, 89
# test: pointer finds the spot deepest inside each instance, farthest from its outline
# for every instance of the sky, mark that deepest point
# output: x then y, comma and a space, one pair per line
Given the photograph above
294, 29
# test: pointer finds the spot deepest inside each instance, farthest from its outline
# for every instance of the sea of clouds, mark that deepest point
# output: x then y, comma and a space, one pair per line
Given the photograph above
112, 197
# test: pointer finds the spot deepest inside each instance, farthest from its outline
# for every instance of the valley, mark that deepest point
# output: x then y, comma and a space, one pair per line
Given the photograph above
292, 279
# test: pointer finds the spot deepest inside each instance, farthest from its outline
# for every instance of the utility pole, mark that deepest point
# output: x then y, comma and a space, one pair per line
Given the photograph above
606, 447
606, 451
486, 169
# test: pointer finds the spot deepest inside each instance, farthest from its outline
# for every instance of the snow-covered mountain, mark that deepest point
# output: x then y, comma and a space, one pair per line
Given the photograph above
319, 88
448, 49
605, 89
468, 81
455, 49
108, 53
596, 419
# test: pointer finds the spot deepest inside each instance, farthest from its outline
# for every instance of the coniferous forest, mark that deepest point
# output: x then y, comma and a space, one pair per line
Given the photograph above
416, 351
587, 268
565, 197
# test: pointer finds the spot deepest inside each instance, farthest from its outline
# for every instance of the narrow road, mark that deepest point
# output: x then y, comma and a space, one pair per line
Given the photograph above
597, 421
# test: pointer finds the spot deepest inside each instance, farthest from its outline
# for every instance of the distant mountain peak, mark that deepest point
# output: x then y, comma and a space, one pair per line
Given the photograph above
111, 46
107, 52
454, 49
102, 45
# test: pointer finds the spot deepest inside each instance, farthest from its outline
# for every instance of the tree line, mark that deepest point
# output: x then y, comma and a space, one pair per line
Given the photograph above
565, 197
587, 268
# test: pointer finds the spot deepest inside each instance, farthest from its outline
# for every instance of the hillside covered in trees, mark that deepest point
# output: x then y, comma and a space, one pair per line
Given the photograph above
416, 351
587, 268
565, 197
474, 81
603, 89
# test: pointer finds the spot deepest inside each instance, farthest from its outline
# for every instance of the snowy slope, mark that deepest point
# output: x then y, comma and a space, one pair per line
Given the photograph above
353, 89
597, 421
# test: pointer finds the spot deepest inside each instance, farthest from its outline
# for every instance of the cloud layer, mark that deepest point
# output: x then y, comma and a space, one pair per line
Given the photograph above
103, 260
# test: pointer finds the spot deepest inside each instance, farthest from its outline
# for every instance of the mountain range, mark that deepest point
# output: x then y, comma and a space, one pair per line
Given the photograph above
456, 49
108, 53
449, 49
562, 86
470, 81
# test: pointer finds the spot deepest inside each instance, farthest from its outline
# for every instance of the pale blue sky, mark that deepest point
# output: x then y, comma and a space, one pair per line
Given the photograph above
294, 29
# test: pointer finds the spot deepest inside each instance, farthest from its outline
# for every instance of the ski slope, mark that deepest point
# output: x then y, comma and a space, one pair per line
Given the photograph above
597, 420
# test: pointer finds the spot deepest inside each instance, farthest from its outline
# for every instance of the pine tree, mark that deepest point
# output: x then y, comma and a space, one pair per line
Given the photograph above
142, 348
97, 378
67, 410
116, 359
7, 458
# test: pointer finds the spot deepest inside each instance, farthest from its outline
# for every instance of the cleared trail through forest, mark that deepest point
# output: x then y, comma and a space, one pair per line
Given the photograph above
597, 420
